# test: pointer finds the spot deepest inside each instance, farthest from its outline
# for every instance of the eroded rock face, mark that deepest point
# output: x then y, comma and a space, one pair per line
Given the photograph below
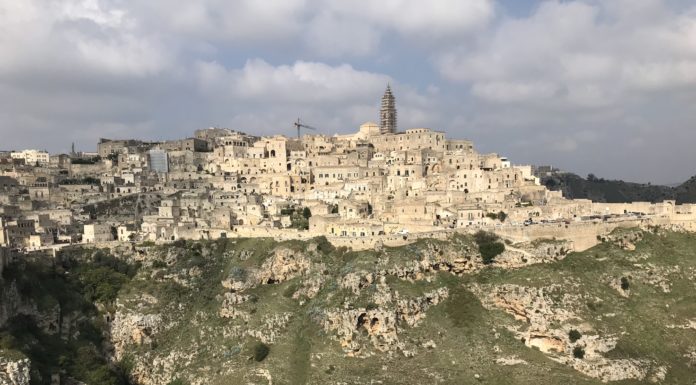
14, 371
544, 251
228, 309
283, 265
271, 327
461, 259
155, 370
546, 312
626, 240
380, 325
530, 304
357, 281
612, 370
357, 305
129, 328
310, 287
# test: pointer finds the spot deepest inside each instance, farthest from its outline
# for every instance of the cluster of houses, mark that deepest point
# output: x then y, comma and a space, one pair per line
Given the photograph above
225, 183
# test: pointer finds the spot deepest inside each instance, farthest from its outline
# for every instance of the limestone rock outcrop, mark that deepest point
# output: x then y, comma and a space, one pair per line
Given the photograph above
380, 325
548, 317
130, 328
282, 265
14, 371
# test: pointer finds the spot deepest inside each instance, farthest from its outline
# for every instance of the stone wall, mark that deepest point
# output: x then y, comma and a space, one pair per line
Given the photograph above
393, 240
583, 235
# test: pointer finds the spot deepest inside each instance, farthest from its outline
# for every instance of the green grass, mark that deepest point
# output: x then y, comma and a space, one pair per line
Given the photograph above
66, 290
467, 338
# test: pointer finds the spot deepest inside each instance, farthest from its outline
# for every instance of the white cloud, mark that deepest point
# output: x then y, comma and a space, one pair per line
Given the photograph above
589, 49
301, 82
507, 92
328, 28
242, 21
438, 19
75, 35
333, 35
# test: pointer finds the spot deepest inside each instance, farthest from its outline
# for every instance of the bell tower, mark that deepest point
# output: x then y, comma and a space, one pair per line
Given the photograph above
387, 113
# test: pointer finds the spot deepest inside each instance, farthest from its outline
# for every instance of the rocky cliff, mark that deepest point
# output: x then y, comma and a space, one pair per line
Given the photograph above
254, 311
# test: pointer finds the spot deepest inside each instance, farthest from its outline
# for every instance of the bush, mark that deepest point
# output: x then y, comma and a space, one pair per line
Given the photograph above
574, 335
261, 351
482, 237
625, 285
579, 352
489, 246
489, 251
306, 213
299, 221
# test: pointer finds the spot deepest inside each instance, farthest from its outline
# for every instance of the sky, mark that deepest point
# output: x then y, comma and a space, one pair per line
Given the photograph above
590, 86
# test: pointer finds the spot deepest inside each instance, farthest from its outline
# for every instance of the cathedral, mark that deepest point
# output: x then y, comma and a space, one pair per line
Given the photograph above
387, 113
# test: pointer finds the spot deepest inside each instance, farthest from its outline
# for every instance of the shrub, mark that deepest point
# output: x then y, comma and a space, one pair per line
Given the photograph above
579, 352
306, 213
489, 246
489, 251
574, 335
485, 237
157, 264
261, 350
625, 284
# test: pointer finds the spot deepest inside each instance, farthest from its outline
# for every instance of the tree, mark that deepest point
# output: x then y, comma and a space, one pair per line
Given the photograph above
625, 285
489, 246
574, 335
502, 216
489, 251
306, 213
579, 352
261, 351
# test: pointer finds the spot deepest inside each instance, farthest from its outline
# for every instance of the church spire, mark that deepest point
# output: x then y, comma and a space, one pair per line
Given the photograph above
387, 113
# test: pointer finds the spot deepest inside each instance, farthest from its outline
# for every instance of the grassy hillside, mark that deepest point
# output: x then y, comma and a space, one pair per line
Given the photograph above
54, 318
256, 311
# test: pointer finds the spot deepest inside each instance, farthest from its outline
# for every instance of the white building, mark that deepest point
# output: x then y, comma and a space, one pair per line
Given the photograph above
31, 157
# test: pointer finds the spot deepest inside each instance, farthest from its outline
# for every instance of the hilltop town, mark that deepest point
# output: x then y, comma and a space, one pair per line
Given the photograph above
385, 256
376, 186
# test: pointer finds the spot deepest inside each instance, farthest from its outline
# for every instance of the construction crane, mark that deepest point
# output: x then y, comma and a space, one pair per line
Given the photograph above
298, 124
